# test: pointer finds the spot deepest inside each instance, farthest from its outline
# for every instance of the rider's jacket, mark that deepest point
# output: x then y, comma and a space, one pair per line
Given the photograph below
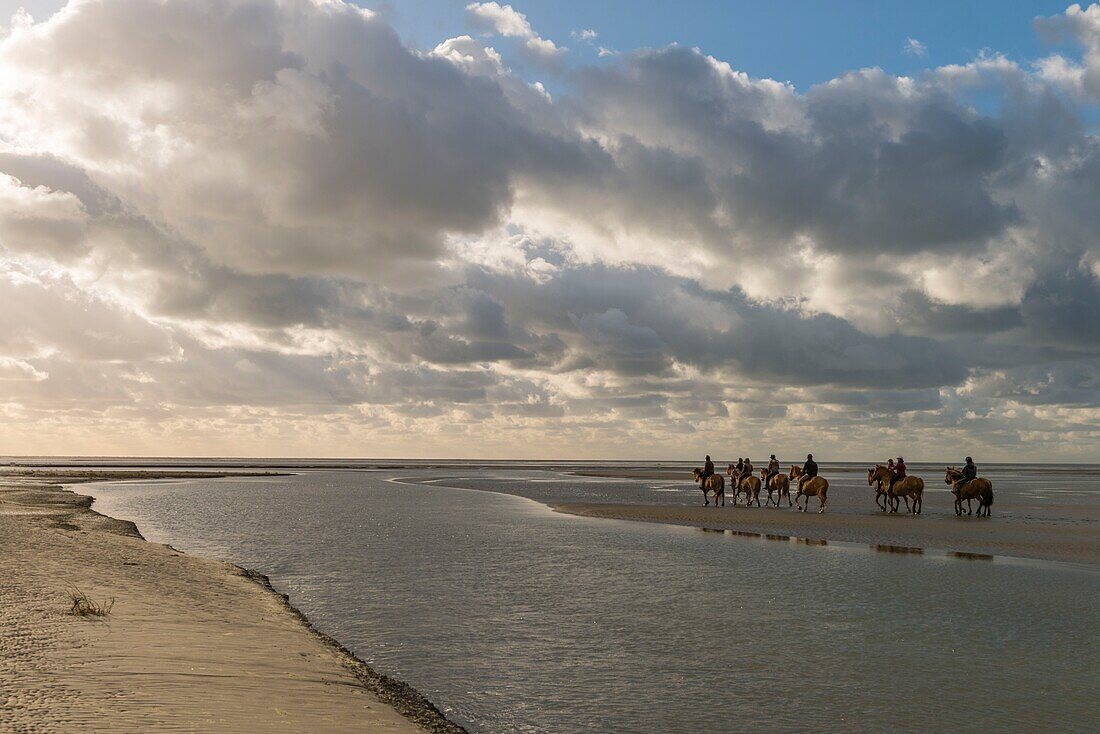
810, 468
970, 471
899, 470
773, 465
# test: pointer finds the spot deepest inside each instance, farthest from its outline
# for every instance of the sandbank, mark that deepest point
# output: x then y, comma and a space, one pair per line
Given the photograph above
967, 534
190, 644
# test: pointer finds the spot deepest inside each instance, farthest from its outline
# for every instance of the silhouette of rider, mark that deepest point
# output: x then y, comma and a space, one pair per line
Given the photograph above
809, 470
969, 470
708, 469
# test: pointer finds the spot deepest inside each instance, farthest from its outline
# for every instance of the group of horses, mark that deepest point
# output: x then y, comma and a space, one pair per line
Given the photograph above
888, 497
912, 488
778, 486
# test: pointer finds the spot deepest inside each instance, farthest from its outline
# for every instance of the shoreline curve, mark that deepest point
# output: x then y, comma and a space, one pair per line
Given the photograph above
36, 505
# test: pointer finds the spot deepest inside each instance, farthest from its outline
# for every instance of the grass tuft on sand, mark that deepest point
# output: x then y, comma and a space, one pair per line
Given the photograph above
85, 606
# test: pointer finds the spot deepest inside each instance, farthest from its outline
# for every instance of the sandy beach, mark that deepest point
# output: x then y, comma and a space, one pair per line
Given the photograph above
902, 533
189, 645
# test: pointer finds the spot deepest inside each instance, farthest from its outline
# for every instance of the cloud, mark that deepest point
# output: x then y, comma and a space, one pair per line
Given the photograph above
504, 20
258, 221
1081, 26
585, 35
323, 160
913, 47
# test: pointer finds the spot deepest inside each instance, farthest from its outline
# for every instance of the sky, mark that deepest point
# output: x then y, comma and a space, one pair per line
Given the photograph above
550, 229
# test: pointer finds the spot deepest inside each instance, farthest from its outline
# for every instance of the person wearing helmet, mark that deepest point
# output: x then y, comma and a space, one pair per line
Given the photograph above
810, 467
970, 470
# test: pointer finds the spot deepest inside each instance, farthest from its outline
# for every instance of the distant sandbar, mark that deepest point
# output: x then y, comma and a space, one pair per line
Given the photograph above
966, 535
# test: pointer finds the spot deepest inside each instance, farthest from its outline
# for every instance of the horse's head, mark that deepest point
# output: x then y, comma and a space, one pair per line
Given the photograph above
951, 475
872, 474
697, 472
795, 471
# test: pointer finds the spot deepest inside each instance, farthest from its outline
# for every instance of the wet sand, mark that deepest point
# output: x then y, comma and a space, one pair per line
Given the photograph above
967, 534
189, 645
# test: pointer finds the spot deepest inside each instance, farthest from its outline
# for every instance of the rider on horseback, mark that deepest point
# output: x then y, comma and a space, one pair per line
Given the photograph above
708, 471
809, 470
898, 472
967, 473
773, 469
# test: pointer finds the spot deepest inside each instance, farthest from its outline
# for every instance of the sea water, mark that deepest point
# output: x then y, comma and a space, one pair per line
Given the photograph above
513, 618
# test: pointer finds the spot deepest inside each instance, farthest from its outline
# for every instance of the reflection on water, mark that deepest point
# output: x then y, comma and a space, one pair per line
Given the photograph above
513, 618
897, 549
971, 556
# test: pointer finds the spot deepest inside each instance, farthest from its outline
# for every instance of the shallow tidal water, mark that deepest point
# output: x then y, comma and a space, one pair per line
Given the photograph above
511, 617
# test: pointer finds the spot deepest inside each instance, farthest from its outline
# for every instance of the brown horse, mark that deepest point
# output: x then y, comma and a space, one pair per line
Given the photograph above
747, 484
979, 488
780, 484
880, 488
810, 487
906, 488
714, 483
750, 485
735, 482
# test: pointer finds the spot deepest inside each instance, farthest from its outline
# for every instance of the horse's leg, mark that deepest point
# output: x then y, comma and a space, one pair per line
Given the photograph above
969, 506
958, 506
907, 508
824, 501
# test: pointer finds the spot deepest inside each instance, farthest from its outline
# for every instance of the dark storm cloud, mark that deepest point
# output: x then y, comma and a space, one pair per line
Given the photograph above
636, 321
